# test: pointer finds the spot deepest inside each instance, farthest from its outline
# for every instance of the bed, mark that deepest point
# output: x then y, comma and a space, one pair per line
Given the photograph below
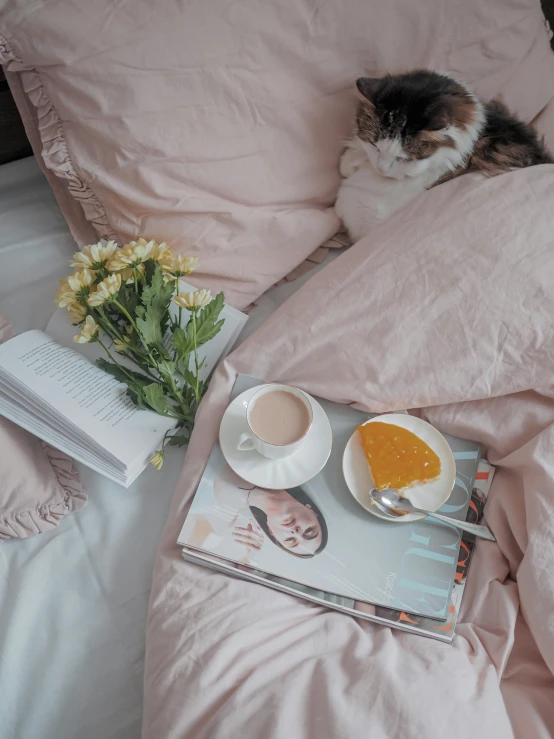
75, 598
264, 96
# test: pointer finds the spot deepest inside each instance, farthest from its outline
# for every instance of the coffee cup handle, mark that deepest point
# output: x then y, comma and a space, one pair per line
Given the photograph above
245, 443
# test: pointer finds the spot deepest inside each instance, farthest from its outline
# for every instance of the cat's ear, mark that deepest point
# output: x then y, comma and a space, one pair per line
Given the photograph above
437, 119
437, 124
367, 87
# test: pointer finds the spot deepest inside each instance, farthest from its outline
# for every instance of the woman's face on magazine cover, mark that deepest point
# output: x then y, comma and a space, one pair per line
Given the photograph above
295, 526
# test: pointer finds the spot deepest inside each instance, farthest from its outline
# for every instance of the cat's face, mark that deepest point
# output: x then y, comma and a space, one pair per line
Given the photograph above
410, 122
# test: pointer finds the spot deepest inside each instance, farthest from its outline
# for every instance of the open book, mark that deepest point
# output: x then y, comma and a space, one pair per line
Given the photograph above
50, 386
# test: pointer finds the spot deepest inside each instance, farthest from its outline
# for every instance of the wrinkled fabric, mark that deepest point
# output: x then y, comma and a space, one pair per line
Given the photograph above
447, 310
218, 126
38, 484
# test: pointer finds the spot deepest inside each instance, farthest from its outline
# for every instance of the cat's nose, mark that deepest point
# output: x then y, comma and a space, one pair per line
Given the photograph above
383, 165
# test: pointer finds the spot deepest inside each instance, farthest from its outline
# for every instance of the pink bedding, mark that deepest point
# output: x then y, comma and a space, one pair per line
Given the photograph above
218, 126
448, 309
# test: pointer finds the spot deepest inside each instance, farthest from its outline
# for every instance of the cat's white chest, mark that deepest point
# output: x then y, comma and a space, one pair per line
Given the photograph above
365, 198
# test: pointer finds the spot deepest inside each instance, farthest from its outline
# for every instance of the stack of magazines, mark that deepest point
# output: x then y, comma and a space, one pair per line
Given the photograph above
409, 576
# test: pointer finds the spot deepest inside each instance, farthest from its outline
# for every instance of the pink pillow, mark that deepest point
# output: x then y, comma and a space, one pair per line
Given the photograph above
38, 486
218, 126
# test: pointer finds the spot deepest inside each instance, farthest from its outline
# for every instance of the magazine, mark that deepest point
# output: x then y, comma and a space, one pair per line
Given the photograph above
50, 386
426, 626
443, 631
354, 556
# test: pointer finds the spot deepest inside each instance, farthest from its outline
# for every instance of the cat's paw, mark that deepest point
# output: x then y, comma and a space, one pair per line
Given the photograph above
350, 162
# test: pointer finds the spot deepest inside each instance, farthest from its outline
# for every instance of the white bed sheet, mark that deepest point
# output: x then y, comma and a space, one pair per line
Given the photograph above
73, 600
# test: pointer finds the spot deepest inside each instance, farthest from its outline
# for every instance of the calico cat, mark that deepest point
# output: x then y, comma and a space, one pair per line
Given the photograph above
416, 130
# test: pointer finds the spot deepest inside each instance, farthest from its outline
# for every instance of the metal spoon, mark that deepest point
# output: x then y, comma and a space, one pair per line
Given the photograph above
393, 504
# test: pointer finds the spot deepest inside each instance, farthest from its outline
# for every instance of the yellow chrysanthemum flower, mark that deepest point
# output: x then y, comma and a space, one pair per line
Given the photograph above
157, 459
131, 255
119, 346
105, 290
192, 300
94, 256
161, 252
65, 296
77, 313
75, 289
178, 266
128, 274
89, 332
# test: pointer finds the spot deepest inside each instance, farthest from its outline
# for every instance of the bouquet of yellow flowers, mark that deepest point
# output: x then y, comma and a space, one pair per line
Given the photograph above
121, 298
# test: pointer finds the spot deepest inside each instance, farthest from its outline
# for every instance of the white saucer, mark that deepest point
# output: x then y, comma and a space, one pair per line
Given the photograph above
430, 496
275, 474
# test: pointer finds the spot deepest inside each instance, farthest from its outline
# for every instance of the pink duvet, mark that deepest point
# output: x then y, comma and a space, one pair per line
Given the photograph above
448, 309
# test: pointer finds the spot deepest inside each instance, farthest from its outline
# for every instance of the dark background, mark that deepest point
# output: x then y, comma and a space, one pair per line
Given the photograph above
13, 141
548, 10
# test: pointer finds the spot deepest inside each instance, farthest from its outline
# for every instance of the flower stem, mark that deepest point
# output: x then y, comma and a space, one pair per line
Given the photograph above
110, 355
134, 325
169, 376
195, 342
110, 328
178, 397
127, 314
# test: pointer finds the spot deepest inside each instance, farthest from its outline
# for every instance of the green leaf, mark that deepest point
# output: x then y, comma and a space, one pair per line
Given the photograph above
164, 354
134, 382
129, 300
189, 377
183, 341
178, 440
149, 328
122, 375
169, 367
136, 396
188, 395
152, 322
207, 325
155, 397
149, 268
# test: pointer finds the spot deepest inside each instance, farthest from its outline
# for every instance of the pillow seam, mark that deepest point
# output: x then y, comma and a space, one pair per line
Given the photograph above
92, 206
45, 516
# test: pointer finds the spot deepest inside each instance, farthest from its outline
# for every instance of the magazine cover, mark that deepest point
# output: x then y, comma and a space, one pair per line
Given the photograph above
336, 547
443, 631
429, 627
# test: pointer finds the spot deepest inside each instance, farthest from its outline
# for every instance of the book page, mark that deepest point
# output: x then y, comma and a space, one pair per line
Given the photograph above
90, 399
37, 426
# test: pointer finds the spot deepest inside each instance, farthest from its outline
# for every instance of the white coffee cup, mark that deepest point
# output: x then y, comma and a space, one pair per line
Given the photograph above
277, 424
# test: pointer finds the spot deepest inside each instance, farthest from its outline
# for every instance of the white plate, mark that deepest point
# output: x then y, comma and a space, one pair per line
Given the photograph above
430, 496
275, 474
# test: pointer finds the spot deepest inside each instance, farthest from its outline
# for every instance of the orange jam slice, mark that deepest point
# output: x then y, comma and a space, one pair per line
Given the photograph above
397, 457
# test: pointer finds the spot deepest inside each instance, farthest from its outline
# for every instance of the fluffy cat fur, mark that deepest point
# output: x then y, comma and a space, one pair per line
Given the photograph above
416, 130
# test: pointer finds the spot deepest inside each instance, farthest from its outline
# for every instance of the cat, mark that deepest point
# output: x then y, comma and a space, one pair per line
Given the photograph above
416, 130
